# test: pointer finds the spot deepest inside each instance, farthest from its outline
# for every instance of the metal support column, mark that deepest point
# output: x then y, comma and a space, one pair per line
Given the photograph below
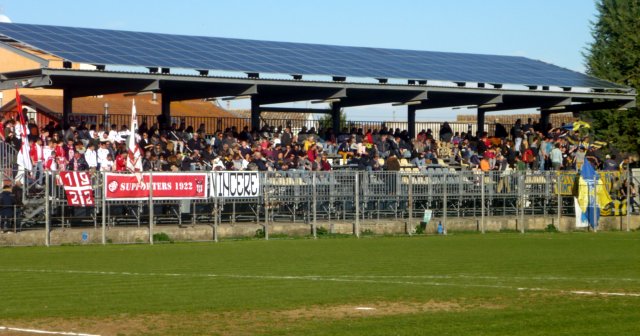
444, 203
67, 108
104, 211
47, 210
165, 105
335, 118
544, 120
266, 214
629, 181
216, 219
356, 227
411, 120
255, 113
482, 202
409, 227
521, 194
150, 208
480, 121
314, 226
559, 198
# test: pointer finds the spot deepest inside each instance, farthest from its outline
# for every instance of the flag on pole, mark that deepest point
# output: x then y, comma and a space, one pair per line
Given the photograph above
592, 194
134, 161
24, 156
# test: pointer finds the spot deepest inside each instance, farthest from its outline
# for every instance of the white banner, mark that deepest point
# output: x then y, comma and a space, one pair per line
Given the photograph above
230, 184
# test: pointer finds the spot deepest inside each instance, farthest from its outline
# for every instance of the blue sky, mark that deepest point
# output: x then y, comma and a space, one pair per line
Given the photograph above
555, 31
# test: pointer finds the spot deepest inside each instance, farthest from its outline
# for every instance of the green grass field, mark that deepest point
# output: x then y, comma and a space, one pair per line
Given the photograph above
468, 284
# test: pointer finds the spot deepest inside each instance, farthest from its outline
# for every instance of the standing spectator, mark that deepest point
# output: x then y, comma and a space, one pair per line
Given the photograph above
446, 132
7, 211
286, 137
176, 140
610, 163
195, 143
500, 131
580, 156
107, 164
77, 163
121, 162
91, 156
37, 157
556, 157
60, 156
102, 153
324, 163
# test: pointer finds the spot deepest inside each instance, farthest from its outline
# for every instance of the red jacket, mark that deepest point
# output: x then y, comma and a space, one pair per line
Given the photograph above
121, 163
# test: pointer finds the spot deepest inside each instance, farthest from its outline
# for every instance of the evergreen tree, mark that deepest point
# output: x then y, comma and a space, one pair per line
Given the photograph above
326, 121
614, 55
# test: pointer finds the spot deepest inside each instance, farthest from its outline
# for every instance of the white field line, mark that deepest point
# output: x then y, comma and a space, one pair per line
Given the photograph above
36, 331
452, 276
354, 279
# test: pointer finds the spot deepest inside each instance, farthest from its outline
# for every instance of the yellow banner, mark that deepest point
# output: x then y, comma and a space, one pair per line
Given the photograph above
568, 179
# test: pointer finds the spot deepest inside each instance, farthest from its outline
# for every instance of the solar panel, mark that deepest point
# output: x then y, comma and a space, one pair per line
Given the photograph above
113, 47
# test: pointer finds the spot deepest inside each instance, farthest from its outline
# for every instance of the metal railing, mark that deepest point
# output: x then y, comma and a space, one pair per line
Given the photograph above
215, 124
456, 200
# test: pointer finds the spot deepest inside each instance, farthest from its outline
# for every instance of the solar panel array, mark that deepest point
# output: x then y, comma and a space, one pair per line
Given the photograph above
113, 47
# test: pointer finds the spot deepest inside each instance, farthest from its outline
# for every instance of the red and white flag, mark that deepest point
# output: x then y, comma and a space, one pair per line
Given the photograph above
24, 156
134, 159
78, 187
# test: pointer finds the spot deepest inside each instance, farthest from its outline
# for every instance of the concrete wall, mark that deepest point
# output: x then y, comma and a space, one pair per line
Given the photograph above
204, 232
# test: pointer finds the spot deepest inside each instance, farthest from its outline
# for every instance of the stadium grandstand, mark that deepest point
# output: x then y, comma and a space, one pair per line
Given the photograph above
79, 82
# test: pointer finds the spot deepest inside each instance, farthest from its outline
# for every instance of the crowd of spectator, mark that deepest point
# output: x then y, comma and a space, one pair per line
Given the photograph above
180, 147
525, 146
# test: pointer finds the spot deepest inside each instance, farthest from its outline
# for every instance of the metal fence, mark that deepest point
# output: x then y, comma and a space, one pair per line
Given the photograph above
215, 124
312, 201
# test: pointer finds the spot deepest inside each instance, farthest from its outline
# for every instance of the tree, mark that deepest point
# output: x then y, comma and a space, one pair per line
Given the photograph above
614, 55
326, 121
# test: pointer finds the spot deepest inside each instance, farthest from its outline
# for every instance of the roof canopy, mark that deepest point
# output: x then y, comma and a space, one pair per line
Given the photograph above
555, 93
113, 47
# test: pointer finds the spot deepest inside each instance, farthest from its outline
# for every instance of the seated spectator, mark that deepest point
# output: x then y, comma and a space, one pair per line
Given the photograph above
392, 164
324, 163
107, 164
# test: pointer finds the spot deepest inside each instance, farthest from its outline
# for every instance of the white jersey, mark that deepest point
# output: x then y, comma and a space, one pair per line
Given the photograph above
102, 155
91, 157
106, 165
